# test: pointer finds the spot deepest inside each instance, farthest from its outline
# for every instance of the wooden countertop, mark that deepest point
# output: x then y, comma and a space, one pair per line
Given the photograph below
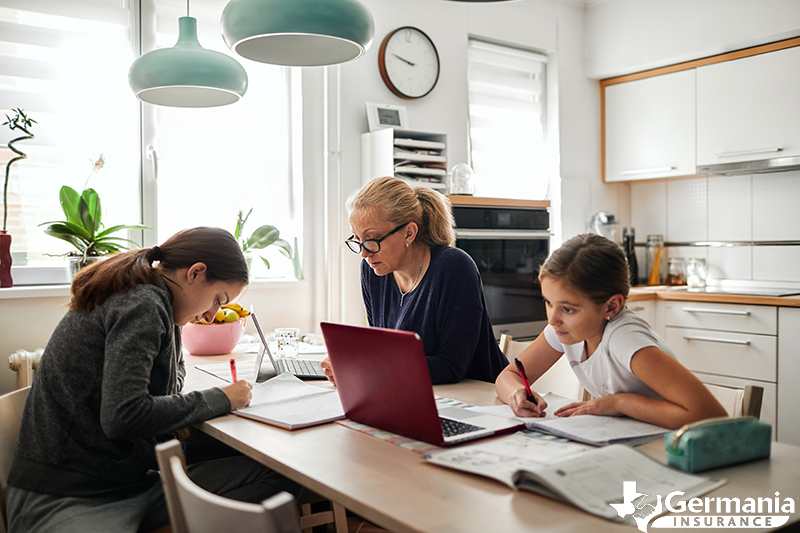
663, 292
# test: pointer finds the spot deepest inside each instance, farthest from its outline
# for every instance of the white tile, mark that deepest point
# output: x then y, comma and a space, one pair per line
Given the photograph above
687, 210
735, 262
776, 263
730, 208
776, 206
649, 208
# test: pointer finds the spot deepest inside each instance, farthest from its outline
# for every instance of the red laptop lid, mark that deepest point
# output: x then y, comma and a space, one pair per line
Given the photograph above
383, 380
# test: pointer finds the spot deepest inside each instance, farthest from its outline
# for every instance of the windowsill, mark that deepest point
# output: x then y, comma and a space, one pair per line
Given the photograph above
62, 290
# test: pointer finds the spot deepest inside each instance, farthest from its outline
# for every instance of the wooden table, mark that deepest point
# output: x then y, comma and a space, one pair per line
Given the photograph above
396, 489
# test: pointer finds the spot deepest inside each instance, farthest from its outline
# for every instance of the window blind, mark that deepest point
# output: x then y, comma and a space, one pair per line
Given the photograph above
507, 124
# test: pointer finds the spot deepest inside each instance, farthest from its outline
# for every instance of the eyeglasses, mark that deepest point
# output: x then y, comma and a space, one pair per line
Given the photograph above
372, 246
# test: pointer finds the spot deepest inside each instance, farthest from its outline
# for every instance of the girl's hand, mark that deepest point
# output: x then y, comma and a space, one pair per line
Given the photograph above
239, 393
326, 366
521, 406
606, 405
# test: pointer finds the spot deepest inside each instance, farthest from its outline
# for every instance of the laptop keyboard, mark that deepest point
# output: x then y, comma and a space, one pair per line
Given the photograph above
451, 427
300, 367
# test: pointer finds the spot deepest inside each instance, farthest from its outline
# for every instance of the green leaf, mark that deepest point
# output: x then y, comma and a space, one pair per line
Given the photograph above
263, 237
265, 260
70, 199
120, 227
60, 232
75, 229
284, 247
92, 199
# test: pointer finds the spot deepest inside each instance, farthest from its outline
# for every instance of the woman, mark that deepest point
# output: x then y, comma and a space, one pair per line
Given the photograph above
413, 279
107, 390
623, 363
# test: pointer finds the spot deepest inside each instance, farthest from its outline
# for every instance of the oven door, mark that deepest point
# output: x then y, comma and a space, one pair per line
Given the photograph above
508, 262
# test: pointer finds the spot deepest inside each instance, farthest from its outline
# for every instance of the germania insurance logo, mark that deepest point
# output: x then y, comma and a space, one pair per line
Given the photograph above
772, 511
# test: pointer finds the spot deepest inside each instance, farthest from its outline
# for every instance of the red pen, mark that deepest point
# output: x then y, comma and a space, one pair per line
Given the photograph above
528, 391
233, 369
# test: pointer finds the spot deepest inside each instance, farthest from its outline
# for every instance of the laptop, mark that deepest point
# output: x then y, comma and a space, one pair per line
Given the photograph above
302, 368
384, 382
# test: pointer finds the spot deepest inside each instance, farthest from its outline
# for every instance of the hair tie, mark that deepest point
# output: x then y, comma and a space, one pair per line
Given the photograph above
156, 254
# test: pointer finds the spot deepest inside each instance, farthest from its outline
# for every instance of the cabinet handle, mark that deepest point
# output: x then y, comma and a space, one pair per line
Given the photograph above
716, 311
637, 308
723, 341
646, 170
748, 152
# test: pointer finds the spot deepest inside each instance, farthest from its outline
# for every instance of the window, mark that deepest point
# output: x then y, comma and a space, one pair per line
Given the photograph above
65, 62
507, 125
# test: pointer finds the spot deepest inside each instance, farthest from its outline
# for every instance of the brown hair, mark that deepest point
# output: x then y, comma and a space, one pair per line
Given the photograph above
215, 247
591, 264
399, 203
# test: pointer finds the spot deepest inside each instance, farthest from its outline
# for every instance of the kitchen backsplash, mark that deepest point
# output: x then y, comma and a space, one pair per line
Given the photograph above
754, 208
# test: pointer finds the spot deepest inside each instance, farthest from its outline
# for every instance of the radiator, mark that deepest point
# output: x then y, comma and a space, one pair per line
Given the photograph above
25, 363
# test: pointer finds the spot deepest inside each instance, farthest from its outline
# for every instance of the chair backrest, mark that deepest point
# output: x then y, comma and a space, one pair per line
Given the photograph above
738, 402
11, 407
195, 510
559, 378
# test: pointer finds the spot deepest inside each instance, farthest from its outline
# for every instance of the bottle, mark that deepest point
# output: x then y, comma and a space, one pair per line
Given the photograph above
676, 272
656, 260
633, 263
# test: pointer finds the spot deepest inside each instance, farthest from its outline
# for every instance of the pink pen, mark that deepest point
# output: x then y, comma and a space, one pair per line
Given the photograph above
233, 369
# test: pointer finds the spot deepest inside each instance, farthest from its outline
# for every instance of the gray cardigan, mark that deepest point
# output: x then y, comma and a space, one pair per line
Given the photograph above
102, 397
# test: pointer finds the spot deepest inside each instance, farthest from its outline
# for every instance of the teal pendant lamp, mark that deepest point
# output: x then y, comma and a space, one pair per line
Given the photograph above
300, 33
187, 75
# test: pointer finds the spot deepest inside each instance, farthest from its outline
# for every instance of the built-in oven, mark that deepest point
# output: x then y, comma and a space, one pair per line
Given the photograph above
508, 244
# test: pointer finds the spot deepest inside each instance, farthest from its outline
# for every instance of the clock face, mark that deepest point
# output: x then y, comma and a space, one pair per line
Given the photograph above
409, 63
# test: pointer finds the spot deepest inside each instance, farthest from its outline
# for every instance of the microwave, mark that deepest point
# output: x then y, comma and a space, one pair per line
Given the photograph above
508, 245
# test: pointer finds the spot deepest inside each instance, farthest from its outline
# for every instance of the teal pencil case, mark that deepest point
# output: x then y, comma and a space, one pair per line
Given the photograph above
718, 442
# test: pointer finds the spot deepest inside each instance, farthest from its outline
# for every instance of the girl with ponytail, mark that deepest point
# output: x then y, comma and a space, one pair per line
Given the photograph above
107, 390
413, 279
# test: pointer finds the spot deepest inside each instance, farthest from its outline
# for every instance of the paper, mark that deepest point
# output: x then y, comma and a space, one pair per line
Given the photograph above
288, 402
596, 430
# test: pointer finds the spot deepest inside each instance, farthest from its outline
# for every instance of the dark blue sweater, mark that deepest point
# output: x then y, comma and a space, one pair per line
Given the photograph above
447, 310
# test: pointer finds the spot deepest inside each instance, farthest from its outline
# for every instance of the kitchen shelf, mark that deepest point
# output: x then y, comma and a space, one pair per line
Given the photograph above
417, 157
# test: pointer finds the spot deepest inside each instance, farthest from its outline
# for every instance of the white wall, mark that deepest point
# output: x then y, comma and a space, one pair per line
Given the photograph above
625, 36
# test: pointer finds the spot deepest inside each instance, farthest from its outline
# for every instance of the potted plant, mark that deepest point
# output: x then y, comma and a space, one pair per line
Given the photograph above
259, 240
21, 122
83, 227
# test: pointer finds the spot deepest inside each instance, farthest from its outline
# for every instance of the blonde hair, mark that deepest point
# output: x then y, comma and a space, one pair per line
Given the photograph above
591, 264
399, 203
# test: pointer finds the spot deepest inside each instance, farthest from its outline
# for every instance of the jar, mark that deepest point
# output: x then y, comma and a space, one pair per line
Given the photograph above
696, 273
676, 271
655, 260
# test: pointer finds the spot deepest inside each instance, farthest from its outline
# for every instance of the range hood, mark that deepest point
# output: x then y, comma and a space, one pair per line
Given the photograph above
759, 166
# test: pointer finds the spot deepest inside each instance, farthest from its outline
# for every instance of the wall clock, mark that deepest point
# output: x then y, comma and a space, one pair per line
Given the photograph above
408, 62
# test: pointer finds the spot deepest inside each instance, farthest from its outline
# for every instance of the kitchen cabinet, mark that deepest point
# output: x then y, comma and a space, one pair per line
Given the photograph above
747, 109
728, 344
788, 375
645, 309
650, 127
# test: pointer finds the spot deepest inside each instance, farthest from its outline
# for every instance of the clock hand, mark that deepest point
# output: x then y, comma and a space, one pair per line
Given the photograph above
403, 59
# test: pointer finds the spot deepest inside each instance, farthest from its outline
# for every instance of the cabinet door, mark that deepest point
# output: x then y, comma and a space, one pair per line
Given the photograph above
788, 374
748, 109
644, 309
650, 127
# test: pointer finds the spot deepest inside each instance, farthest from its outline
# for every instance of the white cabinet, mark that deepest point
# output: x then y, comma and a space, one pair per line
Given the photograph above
417, 157
645, 309
788, 375
748, 109
650, 127
728, 344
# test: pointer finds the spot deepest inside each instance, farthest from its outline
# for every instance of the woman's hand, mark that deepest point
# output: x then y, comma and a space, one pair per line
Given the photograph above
239, 393
326, 366
521, 406
607, 405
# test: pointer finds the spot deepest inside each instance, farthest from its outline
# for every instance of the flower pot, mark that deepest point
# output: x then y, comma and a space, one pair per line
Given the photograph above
5, 260
77, 262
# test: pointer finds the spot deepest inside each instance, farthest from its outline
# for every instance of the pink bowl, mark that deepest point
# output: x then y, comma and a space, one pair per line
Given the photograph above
212, 339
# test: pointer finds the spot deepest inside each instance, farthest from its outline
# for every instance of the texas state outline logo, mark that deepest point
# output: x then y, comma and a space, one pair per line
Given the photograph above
708, 512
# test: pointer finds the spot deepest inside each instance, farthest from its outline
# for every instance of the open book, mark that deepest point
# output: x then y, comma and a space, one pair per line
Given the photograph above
587, 477
288, 402
596, 430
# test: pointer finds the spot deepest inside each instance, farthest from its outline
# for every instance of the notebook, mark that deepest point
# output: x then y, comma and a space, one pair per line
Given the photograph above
302, 368
384, 382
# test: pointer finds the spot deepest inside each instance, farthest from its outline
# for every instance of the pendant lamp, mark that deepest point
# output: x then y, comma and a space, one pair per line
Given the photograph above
187, 75
301, 33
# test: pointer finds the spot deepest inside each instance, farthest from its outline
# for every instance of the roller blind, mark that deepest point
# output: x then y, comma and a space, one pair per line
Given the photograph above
507, 120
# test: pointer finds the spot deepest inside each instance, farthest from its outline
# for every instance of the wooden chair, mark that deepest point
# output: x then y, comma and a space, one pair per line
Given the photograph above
738, 402
11, 406
559, 378
195, 510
